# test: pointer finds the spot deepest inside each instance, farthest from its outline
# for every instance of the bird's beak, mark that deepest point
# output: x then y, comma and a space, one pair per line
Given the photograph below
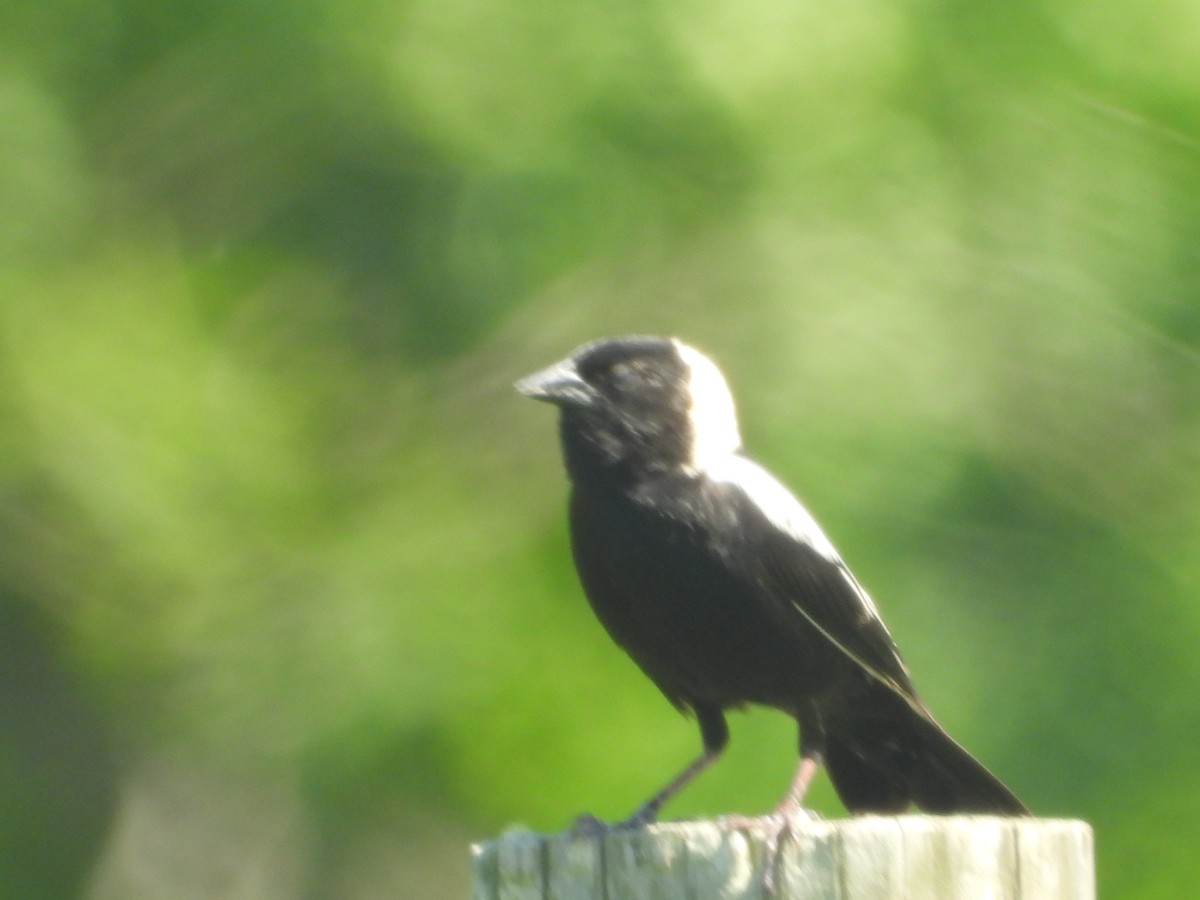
559, 384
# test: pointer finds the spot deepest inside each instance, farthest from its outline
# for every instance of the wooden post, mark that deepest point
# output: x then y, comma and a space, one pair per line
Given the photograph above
863, 858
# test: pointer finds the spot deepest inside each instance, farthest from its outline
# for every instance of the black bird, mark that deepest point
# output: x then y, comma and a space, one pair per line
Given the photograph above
723, 589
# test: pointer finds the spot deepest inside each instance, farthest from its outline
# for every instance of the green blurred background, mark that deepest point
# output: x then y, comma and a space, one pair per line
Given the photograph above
286, 609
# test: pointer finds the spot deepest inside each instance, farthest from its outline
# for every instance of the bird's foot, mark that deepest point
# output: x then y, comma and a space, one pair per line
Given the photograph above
790, 811
779, 819
636, 822
746, 823
774, 827
589, 826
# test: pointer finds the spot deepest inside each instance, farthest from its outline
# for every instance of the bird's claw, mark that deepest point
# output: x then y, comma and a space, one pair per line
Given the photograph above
588, 826
779, 819
640, 819
774, 827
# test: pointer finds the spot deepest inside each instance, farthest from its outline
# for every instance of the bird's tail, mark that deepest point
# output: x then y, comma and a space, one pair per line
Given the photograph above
901, 756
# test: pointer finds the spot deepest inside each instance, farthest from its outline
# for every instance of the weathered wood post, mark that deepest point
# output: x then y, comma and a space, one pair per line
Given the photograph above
865, 858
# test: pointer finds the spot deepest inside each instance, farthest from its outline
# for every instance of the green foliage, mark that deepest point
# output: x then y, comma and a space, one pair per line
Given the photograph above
286, 593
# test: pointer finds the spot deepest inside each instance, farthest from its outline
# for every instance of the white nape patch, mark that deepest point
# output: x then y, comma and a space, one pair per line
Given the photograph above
716, 455
712, 414
777, 503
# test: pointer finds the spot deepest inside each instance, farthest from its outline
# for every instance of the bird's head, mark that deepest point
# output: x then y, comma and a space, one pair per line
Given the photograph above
637, 405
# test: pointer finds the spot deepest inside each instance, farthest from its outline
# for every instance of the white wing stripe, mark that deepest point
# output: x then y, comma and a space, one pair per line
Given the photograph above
785, 512
777, 503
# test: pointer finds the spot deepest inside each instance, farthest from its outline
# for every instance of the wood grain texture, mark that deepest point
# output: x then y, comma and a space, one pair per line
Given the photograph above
863, 858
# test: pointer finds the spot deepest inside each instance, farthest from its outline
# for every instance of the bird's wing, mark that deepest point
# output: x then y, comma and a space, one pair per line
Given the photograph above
830, 599
780, 546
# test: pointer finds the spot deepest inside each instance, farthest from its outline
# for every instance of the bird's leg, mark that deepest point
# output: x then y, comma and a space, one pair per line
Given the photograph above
812, 744
715, 735
812, 749
805, 772
647, 813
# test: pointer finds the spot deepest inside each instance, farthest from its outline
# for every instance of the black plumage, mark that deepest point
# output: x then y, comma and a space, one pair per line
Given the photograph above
722, 588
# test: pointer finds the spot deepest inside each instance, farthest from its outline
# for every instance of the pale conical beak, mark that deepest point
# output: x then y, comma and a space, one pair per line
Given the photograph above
559, 384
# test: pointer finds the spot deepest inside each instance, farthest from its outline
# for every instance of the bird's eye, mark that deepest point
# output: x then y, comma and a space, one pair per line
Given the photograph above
626, 376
